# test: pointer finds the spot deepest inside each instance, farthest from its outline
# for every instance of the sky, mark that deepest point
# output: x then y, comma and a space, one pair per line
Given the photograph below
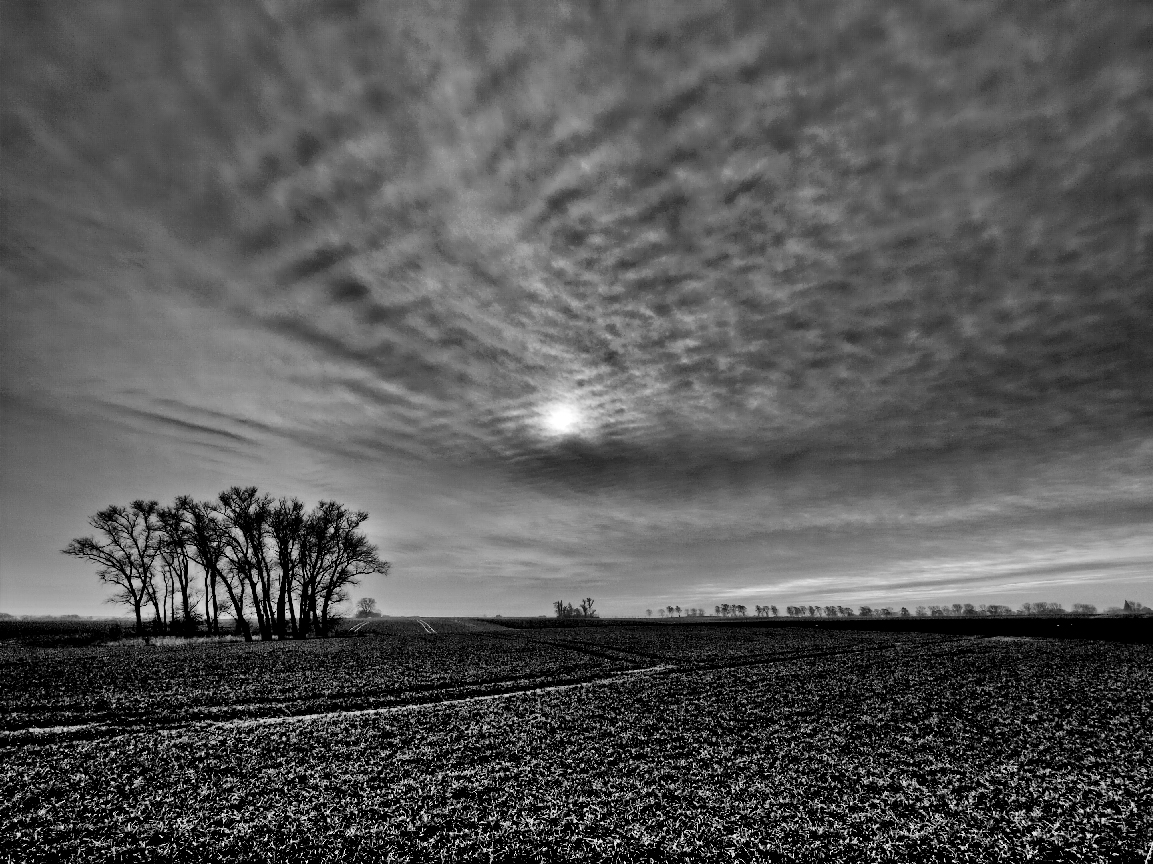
662, 302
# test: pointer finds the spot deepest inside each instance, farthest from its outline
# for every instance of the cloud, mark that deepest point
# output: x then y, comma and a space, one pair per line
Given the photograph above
723, 257
196, 429
824, 269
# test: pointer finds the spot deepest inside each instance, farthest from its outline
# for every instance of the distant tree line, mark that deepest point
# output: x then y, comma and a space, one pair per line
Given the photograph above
567, 610
242, 554
955, 610
727, 610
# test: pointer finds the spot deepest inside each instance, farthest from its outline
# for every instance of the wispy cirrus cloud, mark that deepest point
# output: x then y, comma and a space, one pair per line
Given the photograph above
805, 273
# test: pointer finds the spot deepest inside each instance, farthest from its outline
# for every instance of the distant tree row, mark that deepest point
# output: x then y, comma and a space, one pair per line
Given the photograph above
567, 610
955, 610
244, 553
727, 610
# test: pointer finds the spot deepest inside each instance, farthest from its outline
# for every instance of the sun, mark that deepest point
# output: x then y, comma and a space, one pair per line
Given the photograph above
562, 419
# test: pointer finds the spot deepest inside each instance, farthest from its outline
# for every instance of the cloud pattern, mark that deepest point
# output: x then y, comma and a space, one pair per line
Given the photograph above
800, 266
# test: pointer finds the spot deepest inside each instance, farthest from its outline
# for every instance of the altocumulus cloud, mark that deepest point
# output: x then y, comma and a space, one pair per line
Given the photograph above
823, 288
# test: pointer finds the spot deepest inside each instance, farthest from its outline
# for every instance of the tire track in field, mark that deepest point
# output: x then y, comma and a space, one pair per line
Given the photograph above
616, 677
102, 730
105, 730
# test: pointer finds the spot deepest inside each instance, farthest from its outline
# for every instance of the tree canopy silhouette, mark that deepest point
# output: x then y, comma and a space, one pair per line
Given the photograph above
289, 568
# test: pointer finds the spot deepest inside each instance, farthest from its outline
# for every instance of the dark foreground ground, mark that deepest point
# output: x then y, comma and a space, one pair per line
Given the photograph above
656, 743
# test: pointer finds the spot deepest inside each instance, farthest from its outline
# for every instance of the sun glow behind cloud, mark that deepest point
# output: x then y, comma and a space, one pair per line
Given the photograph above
562, 418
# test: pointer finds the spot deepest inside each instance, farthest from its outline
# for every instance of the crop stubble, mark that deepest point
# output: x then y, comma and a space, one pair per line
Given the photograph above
942, 750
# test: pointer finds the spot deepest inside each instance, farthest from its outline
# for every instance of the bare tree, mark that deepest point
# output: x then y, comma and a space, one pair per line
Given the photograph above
125, 552
206, 549
244, 513
366, 608
352, 558
176, 563
286, 524
320, 559
214, 544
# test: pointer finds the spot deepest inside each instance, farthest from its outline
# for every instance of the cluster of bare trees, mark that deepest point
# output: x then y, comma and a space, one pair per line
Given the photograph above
567, 610
677, 612
829, 611
244, 553
731, 610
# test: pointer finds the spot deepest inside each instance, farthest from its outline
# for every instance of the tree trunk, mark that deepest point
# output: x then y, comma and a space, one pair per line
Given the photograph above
324, 622
257, 605
302, 630
186, 611
245, 628
292, 615
281, 630
159, 619
238, 608
266, 592
207, 606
